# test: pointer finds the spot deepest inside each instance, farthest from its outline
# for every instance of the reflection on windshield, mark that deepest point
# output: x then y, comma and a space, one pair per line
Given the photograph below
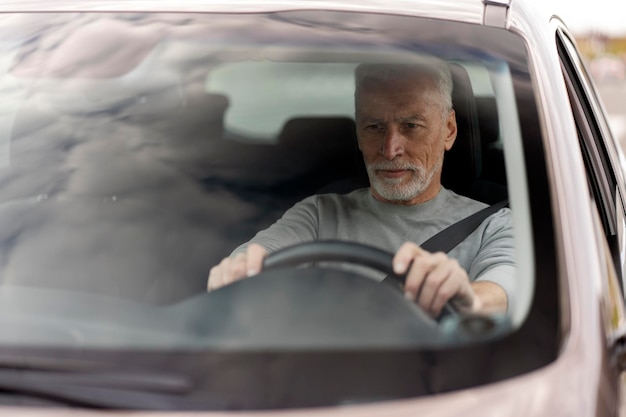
132, 163
119, 177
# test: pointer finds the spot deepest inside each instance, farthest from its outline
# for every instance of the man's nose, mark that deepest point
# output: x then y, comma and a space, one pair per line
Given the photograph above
393, 144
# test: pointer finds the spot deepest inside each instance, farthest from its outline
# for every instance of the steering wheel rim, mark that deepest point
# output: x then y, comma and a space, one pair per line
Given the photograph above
334, 251
343, 251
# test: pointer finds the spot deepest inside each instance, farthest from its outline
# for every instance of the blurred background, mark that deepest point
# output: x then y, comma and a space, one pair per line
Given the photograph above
600, 30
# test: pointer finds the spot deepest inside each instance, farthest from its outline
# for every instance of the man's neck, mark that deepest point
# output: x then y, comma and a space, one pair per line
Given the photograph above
428, 194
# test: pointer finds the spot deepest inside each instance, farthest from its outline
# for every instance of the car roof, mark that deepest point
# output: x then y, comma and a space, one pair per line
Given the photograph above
470, 11
511, 13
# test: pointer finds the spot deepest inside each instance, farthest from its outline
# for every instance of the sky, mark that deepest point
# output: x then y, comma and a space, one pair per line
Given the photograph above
608, 16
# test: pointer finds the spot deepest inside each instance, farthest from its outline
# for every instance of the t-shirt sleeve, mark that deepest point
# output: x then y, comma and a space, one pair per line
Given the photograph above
504, 276
299, 224
495, 260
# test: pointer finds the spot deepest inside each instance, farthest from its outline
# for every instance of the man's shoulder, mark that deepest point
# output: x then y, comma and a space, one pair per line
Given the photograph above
357, 195
460, 207
455, 200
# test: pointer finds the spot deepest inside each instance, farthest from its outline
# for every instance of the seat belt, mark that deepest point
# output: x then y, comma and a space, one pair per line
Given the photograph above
451, 236
448, 238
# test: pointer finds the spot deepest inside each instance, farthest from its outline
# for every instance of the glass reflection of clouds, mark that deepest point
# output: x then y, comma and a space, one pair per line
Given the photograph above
130, 151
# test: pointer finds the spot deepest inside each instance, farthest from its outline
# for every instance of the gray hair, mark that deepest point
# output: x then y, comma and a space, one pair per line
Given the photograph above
433, 67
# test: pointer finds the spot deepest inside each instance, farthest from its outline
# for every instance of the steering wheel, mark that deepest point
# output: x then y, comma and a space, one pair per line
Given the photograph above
343, 251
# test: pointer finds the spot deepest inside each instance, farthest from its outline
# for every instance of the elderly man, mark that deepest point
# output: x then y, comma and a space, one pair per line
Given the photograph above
405, 123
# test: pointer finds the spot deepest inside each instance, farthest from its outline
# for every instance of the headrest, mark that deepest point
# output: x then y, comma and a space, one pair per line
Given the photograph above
462, 163
487, 111
323, 141
319, 133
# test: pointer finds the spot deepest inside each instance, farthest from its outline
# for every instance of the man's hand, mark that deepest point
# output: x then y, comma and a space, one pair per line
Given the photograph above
434, 279
243, 265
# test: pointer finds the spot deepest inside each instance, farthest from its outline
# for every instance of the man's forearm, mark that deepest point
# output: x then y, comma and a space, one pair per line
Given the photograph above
492, 297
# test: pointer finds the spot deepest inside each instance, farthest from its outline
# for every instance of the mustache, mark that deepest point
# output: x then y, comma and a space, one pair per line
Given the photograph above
391, 166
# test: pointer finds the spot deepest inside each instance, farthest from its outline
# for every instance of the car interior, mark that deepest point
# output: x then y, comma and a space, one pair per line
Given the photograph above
147, 163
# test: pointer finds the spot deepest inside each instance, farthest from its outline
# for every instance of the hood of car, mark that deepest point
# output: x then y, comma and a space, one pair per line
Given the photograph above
566, 387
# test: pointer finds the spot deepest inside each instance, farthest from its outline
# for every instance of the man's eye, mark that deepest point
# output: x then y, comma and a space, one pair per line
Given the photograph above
374, 127
411, 125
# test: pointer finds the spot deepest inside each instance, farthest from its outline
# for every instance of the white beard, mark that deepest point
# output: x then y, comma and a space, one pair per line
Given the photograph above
401, 189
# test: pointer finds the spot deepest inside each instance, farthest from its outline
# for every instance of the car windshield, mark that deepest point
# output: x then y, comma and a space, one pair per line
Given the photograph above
139, 150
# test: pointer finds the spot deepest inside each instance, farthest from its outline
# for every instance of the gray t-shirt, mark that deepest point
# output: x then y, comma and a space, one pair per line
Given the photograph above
486, 255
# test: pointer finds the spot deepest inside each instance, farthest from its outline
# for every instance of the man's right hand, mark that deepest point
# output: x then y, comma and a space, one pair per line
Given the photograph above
231, 269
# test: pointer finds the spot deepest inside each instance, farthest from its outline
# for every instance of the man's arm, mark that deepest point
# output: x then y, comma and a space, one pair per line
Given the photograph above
495, 263
433, 279
493, 298
243, 265
298, 224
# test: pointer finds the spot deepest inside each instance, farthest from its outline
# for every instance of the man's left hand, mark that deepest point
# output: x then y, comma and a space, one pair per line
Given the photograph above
433, 279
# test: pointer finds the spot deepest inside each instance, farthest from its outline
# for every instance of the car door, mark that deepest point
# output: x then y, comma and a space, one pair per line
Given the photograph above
603, 159
604, 164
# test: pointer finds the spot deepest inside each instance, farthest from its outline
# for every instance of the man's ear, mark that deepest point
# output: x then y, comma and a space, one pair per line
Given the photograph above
450, 130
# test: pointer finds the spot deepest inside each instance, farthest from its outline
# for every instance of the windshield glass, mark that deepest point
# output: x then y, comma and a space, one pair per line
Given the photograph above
138, 151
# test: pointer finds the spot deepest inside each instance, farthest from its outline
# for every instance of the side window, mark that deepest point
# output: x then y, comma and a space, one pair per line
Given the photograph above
599, 152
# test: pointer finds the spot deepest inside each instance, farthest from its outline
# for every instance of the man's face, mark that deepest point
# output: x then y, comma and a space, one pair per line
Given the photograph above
403, 135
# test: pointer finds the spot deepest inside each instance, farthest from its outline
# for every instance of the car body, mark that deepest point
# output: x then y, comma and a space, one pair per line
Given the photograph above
129, 169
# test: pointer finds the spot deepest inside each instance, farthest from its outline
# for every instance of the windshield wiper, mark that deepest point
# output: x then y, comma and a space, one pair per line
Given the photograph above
92, 384
82, 393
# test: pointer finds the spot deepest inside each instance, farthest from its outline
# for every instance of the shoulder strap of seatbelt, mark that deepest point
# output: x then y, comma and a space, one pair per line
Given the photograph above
451, 236
448, 238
